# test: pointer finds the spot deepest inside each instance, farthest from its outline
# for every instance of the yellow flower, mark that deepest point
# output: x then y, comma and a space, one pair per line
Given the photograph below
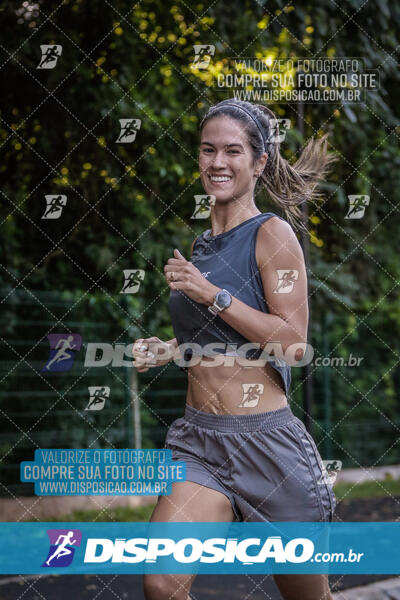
130, 169
316, 241
263, 23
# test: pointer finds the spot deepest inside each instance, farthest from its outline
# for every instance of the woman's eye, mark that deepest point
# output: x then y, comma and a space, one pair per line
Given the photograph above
208, 150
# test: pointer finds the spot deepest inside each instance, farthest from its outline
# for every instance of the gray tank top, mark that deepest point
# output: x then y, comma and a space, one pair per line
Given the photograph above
228, 260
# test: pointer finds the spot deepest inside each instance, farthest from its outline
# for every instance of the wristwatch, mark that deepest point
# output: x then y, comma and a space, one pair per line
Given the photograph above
222, 300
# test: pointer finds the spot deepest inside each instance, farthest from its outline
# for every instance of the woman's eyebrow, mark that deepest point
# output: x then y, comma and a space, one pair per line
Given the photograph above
226, 146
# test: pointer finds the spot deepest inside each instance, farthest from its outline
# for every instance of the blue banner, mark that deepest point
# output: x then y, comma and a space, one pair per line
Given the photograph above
219, 548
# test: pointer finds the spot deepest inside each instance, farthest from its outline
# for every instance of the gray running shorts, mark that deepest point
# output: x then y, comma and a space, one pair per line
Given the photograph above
267, 464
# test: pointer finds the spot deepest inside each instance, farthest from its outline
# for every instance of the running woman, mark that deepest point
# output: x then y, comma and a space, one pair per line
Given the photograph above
248, 458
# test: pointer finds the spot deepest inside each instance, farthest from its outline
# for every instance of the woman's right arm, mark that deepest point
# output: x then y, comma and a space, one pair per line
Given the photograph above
144, 358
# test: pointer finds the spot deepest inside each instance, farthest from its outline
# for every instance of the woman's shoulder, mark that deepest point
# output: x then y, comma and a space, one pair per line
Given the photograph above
277, 238
275, 223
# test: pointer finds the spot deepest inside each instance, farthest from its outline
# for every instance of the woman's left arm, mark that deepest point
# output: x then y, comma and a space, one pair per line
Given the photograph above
281, 264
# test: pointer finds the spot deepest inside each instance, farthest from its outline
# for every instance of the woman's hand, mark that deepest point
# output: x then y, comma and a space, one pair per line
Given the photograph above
151, 352
183, 275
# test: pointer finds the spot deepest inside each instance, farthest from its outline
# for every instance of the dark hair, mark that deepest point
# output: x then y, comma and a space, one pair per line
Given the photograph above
287, 185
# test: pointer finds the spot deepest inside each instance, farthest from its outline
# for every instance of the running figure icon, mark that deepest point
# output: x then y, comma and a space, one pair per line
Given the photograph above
62, 549
62, 346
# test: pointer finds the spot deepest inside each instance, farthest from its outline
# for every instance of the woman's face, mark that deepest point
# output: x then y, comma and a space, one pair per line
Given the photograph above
226, 154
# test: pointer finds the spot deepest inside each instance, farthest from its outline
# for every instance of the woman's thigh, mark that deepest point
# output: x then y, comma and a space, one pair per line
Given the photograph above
306, 587
188, 502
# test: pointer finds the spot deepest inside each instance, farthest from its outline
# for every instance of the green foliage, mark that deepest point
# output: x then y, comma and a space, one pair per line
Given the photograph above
369, 489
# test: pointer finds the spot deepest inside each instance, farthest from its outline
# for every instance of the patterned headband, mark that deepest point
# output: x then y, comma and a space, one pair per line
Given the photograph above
252, 117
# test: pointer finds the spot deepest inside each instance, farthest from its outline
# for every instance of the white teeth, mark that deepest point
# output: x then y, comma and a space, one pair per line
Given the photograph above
220, 178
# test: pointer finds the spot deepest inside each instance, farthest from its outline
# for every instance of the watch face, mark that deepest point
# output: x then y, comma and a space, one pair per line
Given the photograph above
223, 299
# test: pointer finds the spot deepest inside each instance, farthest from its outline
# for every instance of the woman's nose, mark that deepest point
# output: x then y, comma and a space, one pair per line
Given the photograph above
218, 160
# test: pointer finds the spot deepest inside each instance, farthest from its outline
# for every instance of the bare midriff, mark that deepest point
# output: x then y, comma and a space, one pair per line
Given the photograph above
221, 389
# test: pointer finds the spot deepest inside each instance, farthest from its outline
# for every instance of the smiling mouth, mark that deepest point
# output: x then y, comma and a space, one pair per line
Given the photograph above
219, 179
